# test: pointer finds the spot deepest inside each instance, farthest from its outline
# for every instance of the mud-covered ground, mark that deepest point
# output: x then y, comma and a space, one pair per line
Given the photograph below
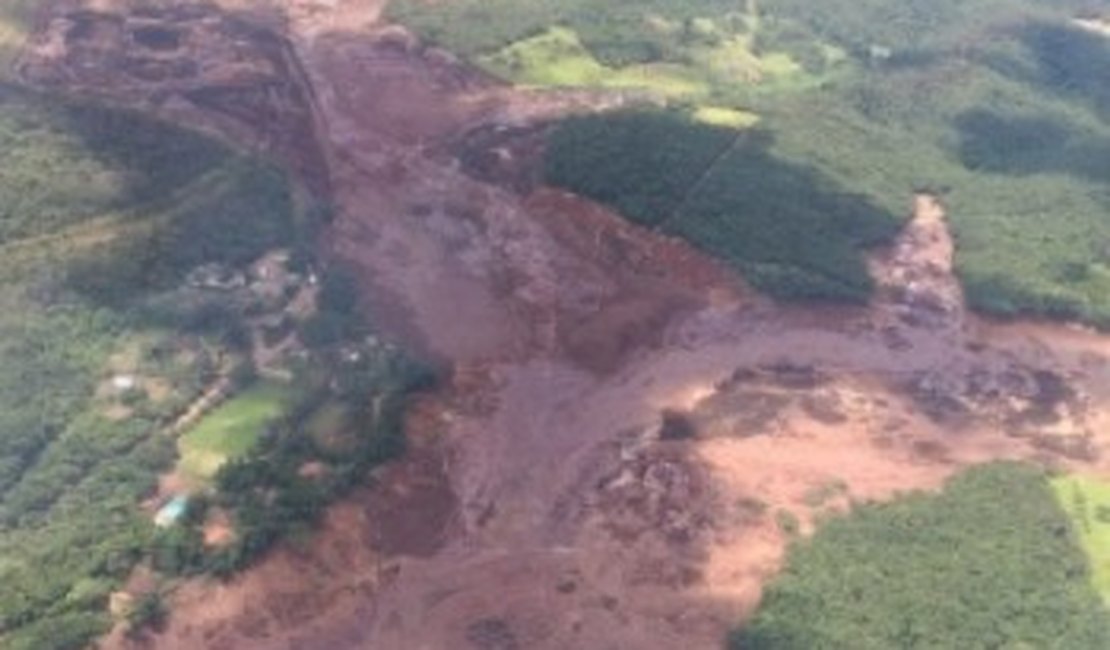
625, 423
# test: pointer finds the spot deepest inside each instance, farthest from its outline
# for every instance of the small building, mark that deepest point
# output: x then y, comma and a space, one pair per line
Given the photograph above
124, 383
216, 276
271, 277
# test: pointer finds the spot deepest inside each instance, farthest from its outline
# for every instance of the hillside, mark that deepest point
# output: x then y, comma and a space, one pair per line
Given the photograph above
102, 211
109, 341
704, 294
998, 105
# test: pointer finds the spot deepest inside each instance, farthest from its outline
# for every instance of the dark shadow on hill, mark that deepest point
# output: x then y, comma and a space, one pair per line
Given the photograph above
196, 64
248, 212
794, 232
152, 158
1021, 145
189, 198
1070, 61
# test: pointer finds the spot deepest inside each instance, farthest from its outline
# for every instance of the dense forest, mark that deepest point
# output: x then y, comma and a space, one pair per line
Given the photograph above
1000, 107
791, 232
992, 562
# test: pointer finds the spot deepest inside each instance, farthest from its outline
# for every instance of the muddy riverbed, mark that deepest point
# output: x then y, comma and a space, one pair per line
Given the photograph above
623, 419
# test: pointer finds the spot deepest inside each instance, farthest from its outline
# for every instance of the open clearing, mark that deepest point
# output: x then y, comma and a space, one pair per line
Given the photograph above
558, 58
1087, 502
232, 429
724, 68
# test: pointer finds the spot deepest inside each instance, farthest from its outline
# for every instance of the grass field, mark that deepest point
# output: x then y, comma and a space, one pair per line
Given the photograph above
718, 68
1087, 502
232, 429
722, 116
793, 232
557, 57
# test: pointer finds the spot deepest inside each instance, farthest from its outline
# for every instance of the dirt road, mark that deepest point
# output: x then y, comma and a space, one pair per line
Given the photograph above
546, 506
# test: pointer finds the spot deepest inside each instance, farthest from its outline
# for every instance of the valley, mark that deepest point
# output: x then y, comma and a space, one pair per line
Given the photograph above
626, 437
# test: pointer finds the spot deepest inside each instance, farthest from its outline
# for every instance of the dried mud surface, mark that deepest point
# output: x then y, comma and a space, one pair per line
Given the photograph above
624, 419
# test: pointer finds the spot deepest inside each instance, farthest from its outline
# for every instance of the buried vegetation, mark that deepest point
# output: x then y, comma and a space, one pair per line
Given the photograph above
233, 429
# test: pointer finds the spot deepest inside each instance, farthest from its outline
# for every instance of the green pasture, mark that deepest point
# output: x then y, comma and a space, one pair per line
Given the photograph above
232, 429
1087, 502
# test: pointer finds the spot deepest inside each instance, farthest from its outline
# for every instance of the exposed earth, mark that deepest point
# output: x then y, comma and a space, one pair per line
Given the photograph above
626, 424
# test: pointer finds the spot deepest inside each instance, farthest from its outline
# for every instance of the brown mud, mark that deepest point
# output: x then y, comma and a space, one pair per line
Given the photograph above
625, 421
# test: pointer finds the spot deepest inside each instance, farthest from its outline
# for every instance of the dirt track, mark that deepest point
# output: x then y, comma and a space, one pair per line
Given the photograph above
542, 509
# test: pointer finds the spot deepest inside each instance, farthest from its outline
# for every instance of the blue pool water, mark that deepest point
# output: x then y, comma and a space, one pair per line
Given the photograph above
172, 511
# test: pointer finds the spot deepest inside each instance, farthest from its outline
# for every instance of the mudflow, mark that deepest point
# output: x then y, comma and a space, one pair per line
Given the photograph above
624, 419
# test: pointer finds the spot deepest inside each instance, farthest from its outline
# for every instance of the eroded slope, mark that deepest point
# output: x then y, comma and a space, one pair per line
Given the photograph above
572, 519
